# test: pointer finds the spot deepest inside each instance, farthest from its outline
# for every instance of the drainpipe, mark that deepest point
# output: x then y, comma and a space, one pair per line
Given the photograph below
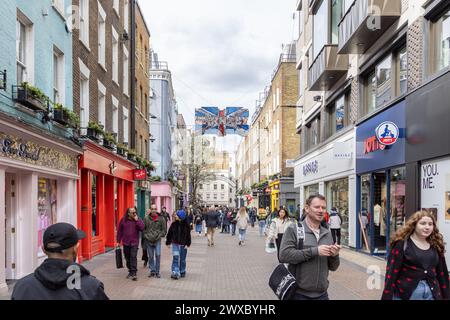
133, 76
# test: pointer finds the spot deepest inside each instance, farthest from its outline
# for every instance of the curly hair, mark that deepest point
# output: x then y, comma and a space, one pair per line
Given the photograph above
436, 239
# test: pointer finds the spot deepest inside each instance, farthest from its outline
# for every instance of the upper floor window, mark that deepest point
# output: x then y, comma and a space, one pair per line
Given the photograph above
115, 56
59, 78
126, 11
116, 7
338, 115
101, 36
386, 80
440, 48
84, 22
325, 24
312, 133
24, 49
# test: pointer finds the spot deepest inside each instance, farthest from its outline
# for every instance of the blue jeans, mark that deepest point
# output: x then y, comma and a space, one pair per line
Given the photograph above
422, 292
179, 254
198, 228
242, 234
262, 226
233, 229
154, 256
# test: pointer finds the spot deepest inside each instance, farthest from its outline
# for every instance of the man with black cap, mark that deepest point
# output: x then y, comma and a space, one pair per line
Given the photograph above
59, 277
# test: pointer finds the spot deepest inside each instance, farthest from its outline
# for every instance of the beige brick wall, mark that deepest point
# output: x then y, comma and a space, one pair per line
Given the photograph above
415, 54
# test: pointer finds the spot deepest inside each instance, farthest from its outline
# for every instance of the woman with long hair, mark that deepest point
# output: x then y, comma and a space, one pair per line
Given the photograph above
242, 220
416, 268
277, 228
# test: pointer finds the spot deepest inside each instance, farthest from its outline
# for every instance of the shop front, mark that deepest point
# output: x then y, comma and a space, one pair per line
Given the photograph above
105, 191
162, 196
428, 152
275, 195
330, 171
38, 177
142, 192
381, 179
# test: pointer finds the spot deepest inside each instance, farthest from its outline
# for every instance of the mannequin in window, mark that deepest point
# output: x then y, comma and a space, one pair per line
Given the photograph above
383, 227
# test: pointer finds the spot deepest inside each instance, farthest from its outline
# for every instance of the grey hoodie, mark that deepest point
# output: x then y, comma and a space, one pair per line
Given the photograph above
310, 270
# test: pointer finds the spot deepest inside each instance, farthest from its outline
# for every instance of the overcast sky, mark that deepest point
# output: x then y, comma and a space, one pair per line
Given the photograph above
220, 52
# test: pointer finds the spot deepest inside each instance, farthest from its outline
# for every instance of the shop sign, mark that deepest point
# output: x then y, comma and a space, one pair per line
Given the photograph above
311, 168
387, 133
139, 174
371, 145
341, 151
29, 152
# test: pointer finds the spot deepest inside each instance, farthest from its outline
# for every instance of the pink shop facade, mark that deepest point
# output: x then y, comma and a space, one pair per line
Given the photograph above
163, 196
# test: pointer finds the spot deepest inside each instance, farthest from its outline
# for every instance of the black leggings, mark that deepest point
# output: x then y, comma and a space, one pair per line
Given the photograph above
278, 243
336, 233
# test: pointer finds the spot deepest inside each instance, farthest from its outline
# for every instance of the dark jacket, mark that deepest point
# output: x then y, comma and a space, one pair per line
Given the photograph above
198, 219
154, 230
128, 231
402, 277
49, 282
310, 270
212, 219
179, 233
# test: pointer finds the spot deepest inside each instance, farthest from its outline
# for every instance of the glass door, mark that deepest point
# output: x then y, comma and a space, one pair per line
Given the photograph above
10, 227
379, 213
365, 213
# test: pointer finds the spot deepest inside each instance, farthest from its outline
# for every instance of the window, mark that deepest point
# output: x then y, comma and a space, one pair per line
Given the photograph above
125, 125
278, 130
116, 6
401, 59
84, 22
58, 76
95, 216
222, 187
47, 208
208, 196
312, 133
115, 115
336, 15
125, 71
145, 106
320, 25
440, 30
141, 90
338, 115
101, 36
301, 82
222, 196
278, 97
215, 196
101, 104
384, 85
215, 187
84, 95
24, 49
126, 20
371, 90
115, 56
201, 186
300, 21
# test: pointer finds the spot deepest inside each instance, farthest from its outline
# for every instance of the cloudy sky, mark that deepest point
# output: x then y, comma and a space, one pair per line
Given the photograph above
221, 53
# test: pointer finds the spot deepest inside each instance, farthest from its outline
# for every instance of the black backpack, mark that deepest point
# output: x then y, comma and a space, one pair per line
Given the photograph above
282, 281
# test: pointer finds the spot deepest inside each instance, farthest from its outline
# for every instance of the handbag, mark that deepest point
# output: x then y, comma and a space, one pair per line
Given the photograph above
119, 261
281, 281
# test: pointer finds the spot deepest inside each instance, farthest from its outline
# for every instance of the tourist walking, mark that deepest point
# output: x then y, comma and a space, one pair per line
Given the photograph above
128, 234
262, 215
335, 225
154, 231
242, 221
416, 268
179, 236
212, 222
277, 228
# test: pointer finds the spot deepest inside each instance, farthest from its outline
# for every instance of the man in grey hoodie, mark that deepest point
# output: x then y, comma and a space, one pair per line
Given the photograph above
311, 264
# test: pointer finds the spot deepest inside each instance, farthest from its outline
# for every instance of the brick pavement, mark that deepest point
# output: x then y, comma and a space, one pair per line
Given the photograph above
226, 272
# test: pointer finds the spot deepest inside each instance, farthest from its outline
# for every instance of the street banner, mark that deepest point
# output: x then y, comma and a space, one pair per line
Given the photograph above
212, 120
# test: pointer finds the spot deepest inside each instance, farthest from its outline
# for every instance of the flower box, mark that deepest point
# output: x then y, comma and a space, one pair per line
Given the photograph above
25, 98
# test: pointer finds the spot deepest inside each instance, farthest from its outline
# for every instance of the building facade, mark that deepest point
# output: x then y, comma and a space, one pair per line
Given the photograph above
38, 155
102, 90
364, 81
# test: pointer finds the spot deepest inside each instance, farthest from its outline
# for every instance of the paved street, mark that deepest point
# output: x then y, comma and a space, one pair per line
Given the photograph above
223, 272
226, 272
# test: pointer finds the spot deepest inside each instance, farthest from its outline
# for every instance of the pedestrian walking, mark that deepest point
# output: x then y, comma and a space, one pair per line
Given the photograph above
154, 231
128, 234
226, 222
179, 236
262, 215
416, 268
212, 220
233, 222
277, 228
312, 262
52, 279
242, 221
198, 220
335, 225
166, 216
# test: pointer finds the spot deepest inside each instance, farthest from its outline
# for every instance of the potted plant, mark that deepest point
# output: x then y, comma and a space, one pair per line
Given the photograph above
61, 114
155, 179
94, 131
31, 97
131, 155
122, 150
109, 140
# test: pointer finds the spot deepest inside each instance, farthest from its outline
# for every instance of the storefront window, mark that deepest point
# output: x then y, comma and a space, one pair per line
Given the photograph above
398, 195
365, 212
310, 190
94, 207
47, 192
337, 197
379, 212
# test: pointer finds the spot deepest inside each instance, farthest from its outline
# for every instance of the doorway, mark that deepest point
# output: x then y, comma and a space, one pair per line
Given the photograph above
10, 226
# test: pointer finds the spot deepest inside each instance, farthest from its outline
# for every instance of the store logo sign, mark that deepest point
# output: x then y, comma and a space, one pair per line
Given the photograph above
387, 133
311, 168
371, 145
12, 148
139, 174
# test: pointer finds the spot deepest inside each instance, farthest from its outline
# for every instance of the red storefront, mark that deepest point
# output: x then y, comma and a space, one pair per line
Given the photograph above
105, 191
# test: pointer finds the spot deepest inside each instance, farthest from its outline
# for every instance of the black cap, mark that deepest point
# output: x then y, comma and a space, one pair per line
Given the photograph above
64, 235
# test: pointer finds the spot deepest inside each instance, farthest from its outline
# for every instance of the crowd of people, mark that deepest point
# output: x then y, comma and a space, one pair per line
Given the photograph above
416, 267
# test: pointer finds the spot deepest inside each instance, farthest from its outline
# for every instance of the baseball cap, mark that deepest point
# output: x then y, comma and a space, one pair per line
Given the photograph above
64, 235
181, 214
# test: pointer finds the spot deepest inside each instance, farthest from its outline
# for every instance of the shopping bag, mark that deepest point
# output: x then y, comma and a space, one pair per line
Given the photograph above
119, 261
282, 282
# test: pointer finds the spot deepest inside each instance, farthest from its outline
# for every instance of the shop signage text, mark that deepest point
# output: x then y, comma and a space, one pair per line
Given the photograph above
429, 172
139, 174
7, 146
371, 145
310, 168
